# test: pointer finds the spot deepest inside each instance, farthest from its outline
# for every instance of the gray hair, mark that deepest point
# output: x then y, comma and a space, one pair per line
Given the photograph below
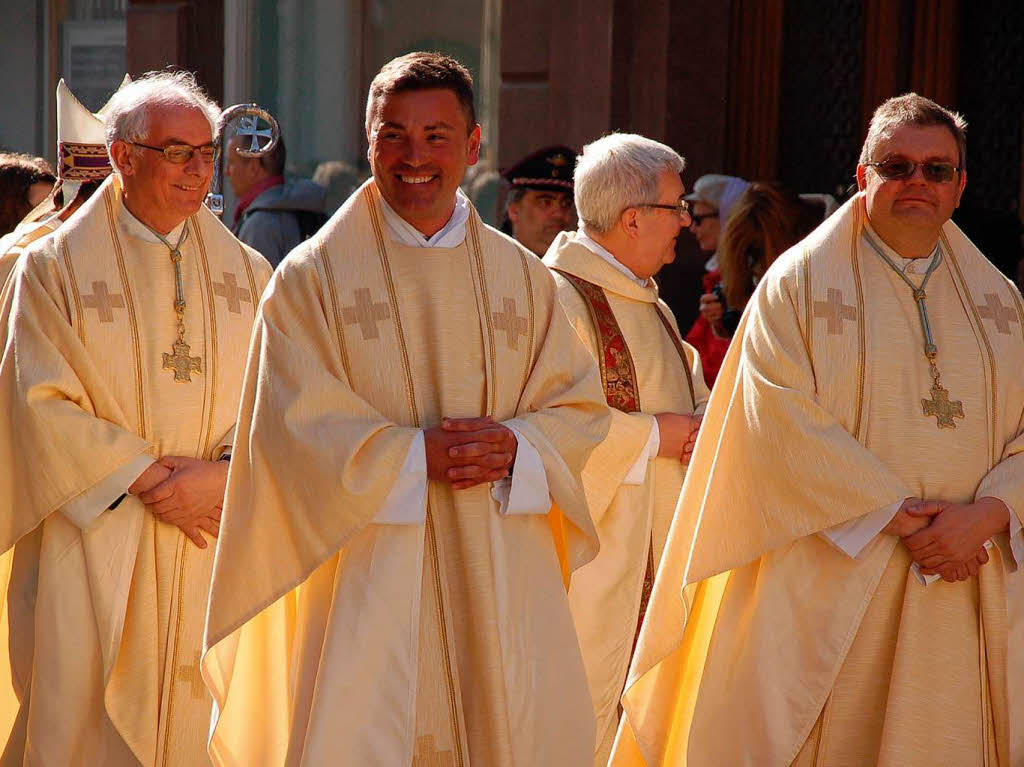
619, 171
912, 109
127, 114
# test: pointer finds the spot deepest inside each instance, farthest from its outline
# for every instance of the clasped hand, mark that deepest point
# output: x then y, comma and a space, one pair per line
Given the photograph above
678, 435
948, 539
469, 451
186, 492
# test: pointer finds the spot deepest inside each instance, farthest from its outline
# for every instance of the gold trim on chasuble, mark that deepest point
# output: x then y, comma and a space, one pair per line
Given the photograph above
133, 322
62, 241
810, 315
995, 451
210, 349
618, 374
862, 350
430, 534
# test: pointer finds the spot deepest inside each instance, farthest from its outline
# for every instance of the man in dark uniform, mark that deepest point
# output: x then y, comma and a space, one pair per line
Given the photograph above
540, 199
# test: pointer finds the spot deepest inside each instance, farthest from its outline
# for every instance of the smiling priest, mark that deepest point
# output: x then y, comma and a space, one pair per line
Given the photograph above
842, 583
119, 383
405, 501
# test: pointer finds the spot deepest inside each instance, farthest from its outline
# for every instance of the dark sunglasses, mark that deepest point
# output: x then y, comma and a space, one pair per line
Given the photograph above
899, 169
179, 154
698, 218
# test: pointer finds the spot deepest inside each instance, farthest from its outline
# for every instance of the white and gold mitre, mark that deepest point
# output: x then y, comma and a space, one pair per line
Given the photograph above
81, 144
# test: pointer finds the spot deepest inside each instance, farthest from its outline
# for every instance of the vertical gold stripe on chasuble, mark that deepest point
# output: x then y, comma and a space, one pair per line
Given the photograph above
429, 532
76, 295
995, 451
528, 363
179, 619
382, 252
211, 349
332, 296
677, 342
251, 277
108, 200
805, 273
861, 321
478, 262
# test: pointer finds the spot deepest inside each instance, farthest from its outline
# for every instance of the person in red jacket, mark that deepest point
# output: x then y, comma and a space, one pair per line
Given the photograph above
711, 201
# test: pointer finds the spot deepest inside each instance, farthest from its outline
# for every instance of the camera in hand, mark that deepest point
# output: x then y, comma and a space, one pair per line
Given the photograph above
730, 317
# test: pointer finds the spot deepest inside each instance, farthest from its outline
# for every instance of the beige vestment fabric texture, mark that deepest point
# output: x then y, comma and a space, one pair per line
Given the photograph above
107, 620
14, 244
632, 521
335, 639
816, 419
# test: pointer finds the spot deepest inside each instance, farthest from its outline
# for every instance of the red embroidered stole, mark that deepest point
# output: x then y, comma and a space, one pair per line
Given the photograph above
618, 374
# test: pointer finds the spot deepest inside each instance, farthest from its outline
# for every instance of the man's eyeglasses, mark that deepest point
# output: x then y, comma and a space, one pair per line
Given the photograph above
698, 218
179, 154
682, 208
901, 169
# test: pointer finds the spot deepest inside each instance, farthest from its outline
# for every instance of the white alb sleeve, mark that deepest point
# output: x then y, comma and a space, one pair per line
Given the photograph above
526, 491
86, 507
406, 504
638, 471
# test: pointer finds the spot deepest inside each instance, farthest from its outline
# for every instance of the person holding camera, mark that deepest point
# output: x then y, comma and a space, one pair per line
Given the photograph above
711, 203
766, 220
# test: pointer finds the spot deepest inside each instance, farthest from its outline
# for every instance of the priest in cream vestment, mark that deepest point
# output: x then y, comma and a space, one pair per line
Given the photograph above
652, 381
126, 343
864, 437
372, 603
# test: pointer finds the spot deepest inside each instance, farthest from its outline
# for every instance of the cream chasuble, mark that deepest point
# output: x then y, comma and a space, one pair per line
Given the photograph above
333, 639
765, 644
14, 244
608, 596
107, 607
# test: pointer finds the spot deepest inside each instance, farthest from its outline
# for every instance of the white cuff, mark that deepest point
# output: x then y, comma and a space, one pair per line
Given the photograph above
1016, 537
526, 492
84, 508
851, 537
406, 504
638, 471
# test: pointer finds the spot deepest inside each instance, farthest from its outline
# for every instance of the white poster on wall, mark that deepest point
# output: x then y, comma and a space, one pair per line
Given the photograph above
94, 59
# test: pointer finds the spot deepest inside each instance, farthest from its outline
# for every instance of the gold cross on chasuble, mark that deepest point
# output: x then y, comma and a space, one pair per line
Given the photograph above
995, 311
834, 311
513, 325
230, 292
366, 314
181, 363
194, 679
427, 754
943, 410
103, 301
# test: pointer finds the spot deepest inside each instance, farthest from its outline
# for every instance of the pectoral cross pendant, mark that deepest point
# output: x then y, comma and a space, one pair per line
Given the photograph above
942, 409
181, 363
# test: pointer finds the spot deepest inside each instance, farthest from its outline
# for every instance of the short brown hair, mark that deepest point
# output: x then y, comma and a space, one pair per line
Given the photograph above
422, 71
913, 109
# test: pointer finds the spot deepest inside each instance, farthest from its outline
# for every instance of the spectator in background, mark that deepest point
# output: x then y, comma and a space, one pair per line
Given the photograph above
711, 202
540, 204
25, 182
272, 216
338, 180
765, 222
